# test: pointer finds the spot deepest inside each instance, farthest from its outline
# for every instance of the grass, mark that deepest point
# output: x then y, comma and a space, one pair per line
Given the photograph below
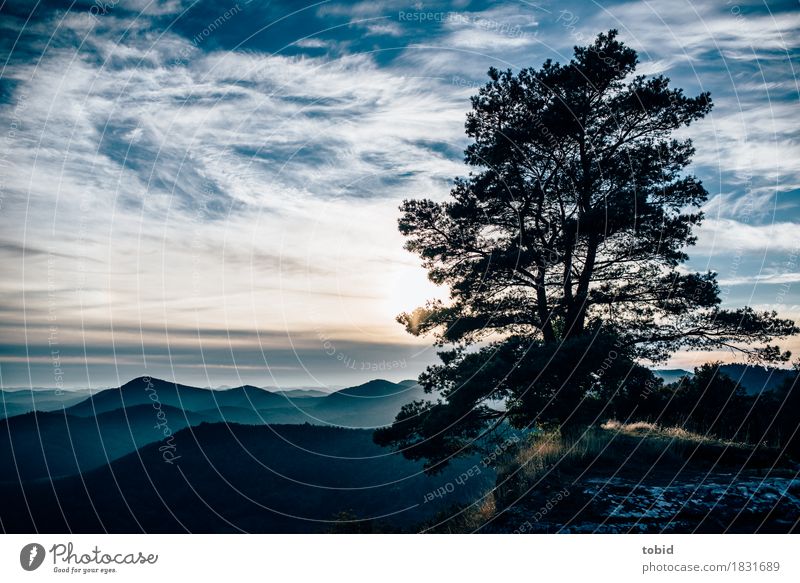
635, 447
548, 460
644, 429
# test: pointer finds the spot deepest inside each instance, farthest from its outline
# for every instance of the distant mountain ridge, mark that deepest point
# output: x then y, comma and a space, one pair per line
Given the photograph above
672, 375
377, 388
372, 404
18, 401
255, 405
754, 379
299, 393
757, 379
78, 437
147, 390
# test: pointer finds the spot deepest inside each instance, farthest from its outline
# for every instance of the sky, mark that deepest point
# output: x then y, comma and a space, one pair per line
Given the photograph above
208, 191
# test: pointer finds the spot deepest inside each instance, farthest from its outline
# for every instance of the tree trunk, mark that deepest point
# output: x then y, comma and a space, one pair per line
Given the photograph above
576, 314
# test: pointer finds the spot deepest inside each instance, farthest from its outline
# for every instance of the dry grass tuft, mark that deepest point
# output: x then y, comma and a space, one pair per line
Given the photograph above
643, 429
551, 451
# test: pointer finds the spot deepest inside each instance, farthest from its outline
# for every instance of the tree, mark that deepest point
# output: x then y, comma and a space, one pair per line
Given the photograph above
563, 253
708, 402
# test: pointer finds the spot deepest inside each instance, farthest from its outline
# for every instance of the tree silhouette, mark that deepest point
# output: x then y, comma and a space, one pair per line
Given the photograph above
563, 254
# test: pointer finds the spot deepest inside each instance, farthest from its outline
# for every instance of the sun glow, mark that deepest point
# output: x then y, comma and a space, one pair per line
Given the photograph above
409, 288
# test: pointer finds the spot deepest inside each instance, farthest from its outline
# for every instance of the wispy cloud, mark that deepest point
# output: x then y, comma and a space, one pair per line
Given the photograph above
250, 180
726, 236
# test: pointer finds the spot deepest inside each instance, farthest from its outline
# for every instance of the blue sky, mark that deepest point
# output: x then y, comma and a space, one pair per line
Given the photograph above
208, 191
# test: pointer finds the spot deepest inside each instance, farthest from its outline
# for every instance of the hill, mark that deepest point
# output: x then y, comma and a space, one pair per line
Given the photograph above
671, 375
377, 388
754, 379
231, 478
373, 404
757, 379
19, 401
46, 445
145, 390
299, 393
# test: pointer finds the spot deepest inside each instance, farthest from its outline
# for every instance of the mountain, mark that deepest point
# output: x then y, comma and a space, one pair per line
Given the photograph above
672, 375
45, 445
245, 416
373, 404
8, 409
300, 393
377, 388
116, 422
756, 379
19, 401
369, 405
145, 390
232, 478
249, 396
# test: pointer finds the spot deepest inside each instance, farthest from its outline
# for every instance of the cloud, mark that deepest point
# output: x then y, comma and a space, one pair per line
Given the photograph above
383, 28
156, 182
727, 236
704, 27
768, 279
313, 43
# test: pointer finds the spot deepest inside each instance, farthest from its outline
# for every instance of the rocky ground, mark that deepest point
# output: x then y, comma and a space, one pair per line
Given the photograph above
644, 479
701, 502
